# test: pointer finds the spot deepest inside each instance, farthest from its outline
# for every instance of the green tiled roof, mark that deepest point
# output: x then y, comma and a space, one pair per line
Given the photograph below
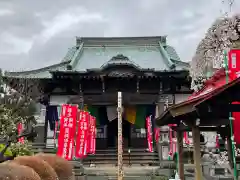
143, 57
43, 73
95, 53
71, 52
172, 53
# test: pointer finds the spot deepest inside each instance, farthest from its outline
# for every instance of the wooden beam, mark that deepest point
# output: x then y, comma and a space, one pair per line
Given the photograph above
188, 129
207, 120
227, 107
197, 152
207, 124
180, 154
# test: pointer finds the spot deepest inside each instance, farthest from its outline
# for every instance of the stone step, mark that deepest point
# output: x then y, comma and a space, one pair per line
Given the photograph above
132, 162
109, 156
93, 158
104, 172
128, 171
143, 155
124, 150
124, 178
127, 154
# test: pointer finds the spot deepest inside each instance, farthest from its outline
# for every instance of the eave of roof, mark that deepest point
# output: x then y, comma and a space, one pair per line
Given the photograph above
35, 73
179, 62
120, 39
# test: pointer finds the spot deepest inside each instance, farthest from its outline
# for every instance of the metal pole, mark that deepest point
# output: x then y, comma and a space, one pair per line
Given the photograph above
120, 148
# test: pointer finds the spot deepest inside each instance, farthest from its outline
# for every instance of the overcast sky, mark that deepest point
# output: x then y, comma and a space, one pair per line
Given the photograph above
36, 33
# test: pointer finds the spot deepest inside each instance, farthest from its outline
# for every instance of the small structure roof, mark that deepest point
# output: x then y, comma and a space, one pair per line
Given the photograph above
98, 52
214, 87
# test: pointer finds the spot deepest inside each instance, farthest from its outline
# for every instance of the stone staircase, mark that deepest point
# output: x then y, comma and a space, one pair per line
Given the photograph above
130, 157
138, 164
130, 173
109, 156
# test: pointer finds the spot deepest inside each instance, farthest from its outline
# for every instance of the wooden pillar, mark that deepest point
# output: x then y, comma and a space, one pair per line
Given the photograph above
120, 142
197, 153
180, 154
229, 151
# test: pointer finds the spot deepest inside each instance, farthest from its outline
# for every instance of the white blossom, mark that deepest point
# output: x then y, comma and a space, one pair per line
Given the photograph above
224, 34
223, 158
14, 109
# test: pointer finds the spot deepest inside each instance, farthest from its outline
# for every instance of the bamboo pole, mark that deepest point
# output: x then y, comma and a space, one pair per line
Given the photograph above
120, 145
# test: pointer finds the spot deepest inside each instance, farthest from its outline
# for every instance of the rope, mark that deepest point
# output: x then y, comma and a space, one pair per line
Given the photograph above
230, 119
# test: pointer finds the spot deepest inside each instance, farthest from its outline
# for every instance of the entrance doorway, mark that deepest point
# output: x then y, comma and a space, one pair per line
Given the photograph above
112, 133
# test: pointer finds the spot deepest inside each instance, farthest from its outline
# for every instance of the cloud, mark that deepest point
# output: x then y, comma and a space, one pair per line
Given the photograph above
68, 19
11, 44
37, 33
6, 12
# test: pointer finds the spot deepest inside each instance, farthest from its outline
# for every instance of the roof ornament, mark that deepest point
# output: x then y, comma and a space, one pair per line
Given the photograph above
119, 57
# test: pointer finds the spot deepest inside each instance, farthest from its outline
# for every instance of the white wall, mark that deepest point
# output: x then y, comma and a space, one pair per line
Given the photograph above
181, 97
58, 100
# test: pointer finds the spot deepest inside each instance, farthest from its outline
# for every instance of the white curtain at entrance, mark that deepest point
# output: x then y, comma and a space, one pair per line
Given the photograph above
111, 113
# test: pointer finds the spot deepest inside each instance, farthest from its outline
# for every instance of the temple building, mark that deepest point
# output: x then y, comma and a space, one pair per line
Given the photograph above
147, 71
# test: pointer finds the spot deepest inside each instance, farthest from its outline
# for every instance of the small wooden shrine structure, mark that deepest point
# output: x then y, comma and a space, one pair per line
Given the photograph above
206, 110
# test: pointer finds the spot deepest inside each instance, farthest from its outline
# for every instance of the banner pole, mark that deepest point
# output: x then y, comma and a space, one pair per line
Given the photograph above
120, 145
230, 118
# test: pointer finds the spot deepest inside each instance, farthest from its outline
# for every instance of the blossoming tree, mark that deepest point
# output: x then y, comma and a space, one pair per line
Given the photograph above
224, 34
14, 109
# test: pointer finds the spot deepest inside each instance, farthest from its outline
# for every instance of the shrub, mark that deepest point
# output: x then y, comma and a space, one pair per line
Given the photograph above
62, 167
13, 171
44, 170
21, 149
8, 152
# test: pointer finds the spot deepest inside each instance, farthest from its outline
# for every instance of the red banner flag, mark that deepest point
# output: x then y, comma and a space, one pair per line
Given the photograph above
149, 134
234, 72
92, 135
67, 131
234, 64
82, 135
20, 129
236, 125
157, 134
186, 140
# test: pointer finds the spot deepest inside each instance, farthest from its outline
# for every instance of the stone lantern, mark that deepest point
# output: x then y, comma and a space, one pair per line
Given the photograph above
163, 145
